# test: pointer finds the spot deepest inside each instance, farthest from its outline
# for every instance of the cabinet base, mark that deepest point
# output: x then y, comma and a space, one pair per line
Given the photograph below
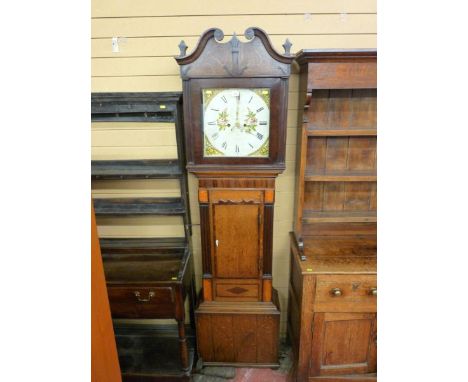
239, 333
151, 353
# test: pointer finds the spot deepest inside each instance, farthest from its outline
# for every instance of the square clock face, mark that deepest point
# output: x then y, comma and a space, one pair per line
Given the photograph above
236, 122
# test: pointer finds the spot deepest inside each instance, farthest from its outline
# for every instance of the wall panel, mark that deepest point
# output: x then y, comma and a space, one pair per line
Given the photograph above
167, 46
127, 8
286, 24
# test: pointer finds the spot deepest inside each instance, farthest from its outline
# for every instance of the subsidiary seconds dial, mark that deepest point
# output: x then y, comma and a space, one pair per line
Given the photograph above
236, 122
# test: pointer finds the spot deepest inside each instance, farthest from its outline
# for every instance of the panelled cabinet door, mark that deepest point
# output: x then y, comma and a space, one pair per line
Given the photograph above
237, 240
344, 343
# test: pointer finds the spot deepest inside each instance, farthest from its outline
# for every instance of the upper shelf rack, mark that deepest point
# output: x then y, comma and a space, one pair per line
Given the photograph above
142, 107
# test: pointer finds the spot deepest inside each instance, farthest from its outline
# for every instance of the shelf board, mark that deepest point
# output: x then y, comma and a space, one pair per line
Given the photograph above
339, 217
143, 270
340, 246
134, 107
143, 244
135, 169
139, 206
144, 260
340, 132
342, 176
345, 265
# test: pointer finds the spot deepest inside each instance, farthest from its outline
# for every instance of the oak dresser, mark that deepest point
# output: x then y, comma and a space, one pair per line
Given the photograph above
332, 320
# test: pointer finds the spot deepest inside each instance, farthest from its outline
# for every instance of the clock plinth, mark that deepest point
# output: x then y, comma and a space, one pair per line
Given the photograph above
233, 334
235, 106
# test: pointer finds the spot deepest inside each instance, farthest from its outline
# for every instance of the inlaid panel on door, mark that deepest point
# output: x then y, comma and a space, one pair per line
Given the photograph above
237, 240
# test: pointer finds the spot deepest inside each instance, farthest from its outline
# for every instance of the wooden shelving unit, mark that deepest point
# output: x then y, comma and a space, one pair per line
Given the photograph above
147, 278
142, 107
337, 170
333, 286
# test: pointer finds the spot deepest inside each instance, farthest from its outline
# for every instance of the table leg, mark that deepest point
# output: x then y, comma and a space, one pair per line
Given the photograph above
192, 303
184, 357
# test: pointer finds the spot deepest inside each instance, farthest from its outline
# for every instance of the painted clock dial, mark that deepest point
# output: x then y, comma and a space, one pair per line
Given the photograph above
236, 122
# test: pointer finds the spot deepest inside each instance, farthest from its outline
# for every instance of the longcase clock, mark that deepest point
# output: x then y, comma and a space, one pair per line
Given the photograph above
235, 105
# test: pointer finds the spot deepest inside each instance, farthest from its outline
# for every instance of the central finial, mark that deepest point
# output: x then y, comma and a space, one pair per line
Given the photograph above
235, 43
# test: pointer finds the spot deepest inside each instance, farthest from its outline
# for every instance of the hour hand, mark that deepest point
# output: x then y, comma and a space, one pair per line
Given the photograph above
257, 135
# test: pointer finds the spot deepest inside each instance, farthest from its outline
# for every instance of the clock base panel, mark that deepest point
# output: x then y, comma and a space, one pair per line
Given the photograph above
242, 335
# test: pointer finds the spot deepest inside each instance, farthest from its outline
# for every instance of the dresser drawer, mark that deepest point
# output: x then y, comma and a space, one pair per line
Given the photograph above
346, 293
141, 302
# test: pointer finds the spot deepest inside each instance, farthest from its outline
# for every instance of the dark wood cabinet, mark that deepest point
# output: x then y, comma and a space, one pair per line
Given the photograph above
332, 319
147, 278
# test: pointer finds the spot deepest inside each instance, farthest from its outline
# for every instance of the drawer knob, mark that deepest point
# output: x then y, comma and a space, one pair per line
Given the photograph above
373, 292
336, 292
138, 296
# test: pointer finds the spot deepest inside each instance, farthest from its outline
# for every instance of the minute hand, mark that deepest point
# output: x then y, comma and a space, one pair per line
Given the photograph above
237, 112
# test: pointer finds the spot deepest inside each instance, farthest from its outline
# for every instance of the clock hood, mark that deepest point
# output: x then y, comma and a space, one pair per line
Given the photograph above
234, 58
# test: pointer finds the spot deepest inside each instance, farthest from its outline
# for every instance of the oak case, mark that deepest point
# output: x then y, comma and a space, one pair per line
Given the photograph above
236, 197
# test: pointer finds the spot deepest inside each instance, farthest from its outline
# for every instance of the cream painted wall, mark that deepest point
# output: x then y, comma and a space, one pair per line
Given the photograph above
149, 32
